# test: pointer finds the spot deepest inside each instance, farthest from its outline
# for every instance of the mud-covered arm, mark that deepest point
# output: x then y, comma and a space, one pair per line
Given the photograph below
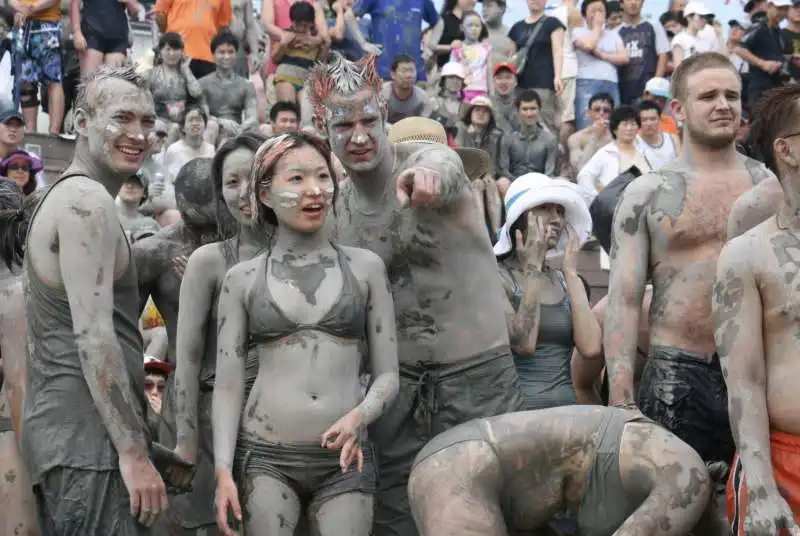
523, 324
14, 351
453, 180
250, 112
630, 251
229, 385
754, 206
738, 317
192, 85
252, 28
382, 339
88, 230
196, 301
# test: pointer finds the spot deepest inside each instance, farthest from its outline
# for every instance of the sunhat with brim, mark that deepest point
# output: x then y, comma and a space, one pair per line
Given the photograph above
34, 163
480, 100
477, 163
453, 68
533, 190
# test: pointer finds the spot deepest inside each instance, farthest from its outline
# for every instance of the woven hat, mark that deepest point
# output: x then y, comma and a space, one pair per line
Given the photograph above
480, 100
477, 163
534, 189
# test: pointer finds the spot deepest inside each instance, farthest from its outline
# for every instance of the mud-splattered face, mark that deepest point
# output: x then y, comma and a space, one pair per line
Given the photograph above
131, 191
235, 184
472, 27
225, 56
453, 84
302, 190
356, 130
171, 56
154, 385
194, 123
118, 130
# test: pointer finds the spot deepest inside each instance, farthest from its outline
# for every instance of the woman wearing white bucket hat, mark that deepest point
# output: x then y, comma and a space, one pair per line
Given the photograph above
550, 312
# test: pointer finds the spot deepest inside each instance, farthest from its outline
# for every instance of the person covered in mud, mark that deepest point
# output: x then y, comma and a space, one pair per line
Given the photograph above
86, 354
300, 442
172, 84
411, 203
196, 348
621, 473
670, 225
17, 504
159, 257
230, 99
755, 301
247, 30
129, 198
549, 312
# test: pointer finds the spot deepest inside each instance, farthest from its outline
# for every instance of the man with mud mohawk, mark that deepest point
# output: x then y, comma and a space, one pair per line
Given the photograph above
409, 201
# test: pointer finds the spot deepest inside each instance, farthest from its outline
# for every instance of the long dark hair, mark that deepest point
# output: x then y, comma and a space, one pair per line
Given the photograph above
268, 156
226, 224
12, 218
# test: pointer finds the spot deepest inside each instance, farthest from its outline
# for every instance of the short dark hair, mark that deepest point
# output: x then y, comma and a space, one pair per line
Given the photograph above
283, 106
402, 58
601, 97
195, 108
777, 115
645, 105
225, 37
302, 12
620, 115
528, 95
672, 16
586, 3
613, 7
173, 39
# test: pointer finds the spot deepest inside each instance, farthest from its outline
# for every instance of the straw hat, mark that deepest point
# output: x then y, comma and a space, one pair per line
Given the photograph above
534, 189
480, 100
477, 163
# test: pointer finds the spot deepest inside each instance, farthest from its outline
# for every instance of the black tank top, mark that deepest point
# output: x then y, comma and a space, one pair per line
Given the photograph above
61, 424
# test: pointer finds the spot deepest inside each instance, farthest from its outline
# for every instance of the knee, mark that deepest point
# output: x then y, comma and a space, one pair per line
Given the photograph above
29, 95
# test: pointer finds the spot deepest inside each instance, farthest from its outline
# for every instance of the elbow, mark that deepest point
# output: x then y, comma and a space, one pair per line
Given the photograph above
591, 349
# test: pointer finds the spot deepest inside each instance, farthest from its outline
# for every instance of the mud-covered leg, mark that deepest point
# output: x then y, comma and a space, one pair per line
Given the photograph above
348, 514
455, 492
271, 507
17, 505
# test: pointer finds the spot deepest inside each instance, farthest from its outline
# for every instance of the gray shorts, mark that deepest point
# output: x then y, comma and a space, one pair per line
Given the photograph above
79, 502
432, 399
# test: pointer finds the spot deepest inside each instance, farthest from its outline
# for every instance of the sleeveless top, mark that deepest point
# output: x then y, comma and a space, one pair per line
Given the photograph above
61, 424
658, 156
347, 318
545, 377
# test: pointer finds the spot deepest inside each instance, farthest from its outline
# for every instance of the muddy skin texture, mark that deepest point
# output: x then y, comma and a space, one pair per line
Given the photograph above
82, 318
669, 226
17, 504
246, 29
495, 482
308, 378
756, 304
154, 262
755, 206
231, 100
173, 89
197, 335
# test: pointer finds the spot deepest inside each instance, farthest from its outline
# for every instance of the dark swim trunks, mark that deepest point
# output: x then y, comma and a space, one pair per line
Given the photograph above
76, 502
432, 399
686, 394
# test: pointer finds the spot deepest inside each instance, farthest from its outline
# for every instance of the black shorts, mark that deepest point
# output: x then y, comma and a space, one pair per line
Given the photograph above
687, 395
117, 44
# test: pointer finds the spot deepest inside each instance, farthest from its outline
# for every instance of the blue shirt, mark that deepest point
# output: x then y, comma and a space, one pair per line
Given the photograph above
397, 26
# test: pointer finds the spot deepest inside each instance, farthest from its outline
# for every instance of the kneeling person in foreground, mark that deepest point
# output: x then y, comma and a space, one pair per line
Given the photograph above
621, 472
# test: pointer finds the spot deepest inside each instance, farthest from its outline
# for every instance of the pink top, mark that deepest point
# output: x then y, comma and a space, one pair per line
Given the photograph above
475, 59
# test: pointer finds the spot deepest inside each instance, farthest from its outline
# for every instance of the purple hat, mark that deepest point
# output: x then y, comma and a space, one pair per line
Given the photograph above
21, 156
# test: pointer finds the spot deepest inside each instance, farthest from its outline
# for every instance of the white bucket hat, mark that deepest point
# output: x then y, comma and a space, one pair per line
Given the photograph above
453, 68
534, 189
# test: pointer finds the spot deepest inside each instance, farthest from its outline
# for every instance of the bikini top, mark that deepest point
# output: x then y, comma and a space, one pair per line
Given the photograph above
347, 318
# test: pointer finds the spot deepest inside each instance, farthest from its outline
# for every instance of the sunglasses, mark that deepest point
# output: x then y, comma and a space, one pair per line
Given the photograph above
19, 167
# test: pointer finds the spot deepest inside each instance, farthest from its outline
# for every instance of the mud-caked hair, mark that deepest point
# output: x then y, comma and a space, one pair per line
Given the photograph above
12, 217
90, 95
193, 187
340, 76
267, 157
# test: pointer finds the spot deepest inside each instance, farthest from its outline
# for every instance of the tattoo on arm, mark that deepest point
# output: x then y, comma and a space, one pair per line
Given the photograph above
382, 338
88, 229
231, 354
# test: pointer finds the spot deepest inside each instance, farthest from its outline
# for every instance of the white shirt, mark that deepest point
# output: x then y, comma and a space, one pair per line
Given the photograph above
569, 68
695, 44
660, 155
604, 167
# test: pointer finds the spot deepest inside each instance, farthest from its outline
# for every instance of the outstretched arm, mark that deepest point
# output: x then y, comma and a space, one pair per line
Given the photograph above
437, 164
196, 301
382, 338
229, 386
630, 250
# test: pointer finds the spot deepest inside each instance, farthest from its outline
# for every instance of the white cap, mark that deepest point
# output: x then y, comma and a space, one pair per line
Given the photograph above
697, 8
780, 3
659, 87
453, 68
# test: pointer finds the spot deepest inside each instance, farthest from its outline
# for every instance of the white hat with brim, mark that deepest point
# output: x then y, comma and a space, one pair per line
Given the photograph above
696, 8
534, 189
780, 3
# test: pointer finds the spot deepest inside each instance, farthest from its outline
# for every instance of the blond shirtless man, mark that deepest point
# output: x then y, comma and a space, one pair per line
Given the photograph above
756, 307
670, 227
